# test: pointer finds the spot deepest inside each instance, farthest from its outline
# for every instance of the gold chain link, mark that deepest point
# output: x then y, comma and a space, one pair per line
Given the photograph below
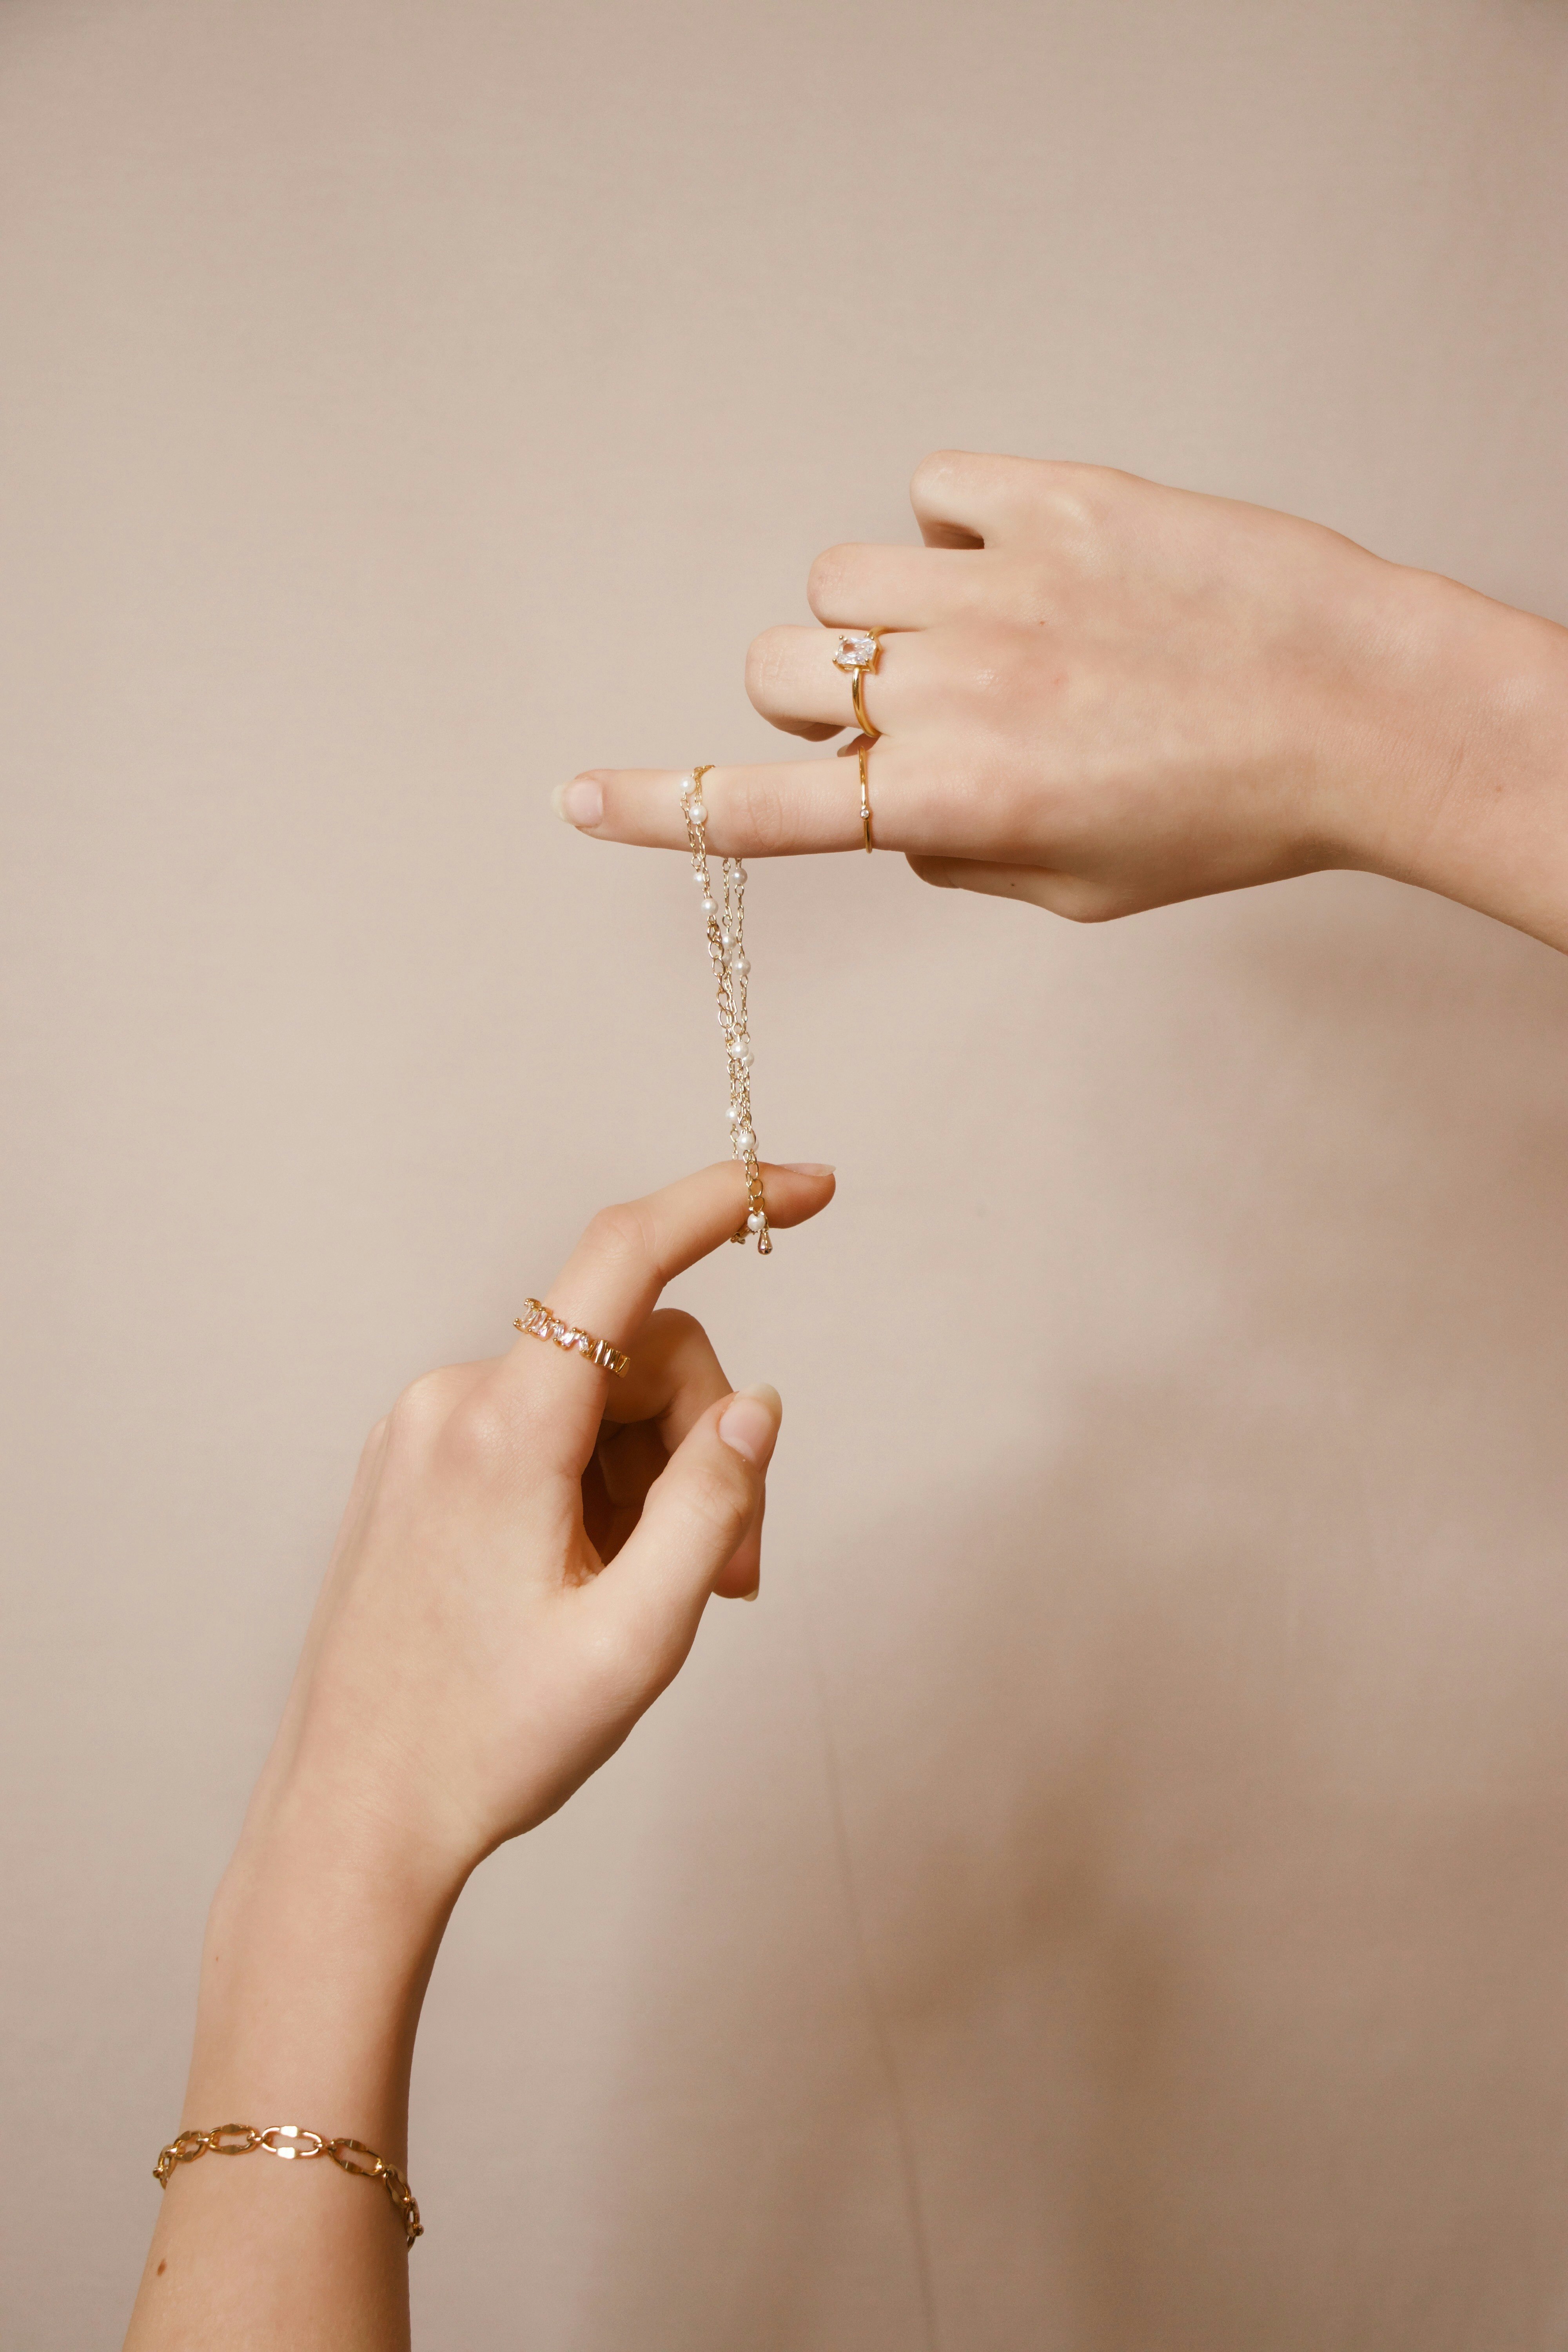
290, 2141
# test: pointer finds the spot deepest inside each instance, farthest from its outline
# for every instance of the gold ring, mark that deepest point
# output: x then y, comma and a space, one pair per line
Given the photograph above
541, 1322
857, 652
863, 750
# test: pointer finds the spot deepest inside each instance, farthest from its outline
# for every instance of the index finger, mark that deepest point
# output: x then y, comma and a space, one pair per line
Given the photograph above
610, 1283
783, 810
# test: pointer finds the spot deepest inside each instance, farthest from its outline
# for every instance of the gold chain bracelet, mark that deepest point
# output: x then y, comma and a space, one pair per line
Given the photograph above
289, 2140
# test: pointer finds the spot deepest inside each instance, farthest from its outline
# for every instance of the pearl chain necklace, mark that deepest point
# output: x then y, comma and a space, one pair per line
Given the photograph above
725, 919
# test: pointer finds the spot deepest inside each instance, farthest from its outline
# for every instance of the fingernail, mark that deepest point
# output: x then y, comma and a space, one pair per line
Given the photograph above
749, 1423
753, 1594
809, 1167
581, 802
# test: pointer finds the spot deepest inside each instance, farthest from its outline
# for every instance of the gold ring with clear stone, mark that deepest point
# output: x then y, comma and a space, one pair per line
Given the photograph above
857, 651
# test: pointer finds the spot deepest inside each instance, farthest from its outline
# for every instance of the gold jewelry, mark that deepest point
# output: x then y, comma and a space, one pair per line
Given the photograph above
863, 751
726, 919
289, 2141
857, 652
541, 1322
859, 748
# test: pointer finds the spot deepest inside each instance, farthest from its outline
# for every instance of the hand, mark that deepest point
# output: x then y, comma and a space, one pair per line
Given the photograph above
526, 1554
1101, 695
528, 1546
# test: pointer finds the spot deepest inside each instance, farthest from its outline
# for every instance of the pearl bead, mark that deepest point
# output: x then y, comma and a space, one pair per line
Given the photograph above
745, 1138
754, 1222
707, 906
740, 964
697, 812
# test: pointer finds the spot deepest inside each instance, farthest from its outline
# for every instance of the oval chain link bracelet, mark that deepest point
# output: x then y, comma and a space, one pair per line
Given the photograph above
291, 2140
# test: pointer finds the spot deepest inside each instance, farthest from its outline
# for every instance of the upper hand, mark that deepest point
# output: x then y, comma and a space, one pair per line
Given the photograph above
1095, 693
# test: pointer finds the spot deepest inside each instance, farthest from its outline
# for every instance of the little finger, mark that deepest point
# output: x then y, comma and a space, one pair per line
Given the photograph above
894, 587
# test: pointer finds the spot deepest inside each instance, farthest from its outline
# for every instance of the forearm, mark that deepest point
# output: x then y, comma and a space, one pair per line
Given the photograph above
318, 1951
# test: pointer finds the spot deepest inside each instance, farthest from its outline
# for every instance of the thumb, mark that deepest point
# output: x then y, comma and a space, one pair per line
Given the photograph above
699, 1511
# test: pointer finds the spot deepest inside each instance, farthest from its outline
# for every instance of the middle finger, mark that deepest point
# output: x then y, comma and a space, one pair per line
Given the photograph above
675, 1377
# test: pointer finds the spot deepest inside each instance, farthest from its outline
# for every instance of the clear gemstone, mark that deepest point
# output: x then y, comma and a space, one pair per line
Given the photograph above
857, 649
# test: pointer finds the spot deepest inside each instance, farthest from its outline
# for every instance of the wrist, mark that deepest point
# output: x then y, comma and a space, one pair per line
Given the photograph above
319, 1947
1462, 764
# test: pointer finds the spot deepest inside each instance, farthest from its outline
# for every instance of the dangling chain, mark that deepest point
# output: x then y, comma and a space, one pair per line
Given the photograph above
725, 918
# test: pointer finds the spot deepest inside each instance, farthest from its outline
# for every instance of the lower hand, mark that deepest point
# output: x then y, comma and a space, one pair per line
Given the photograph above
527, 1552
529, 1547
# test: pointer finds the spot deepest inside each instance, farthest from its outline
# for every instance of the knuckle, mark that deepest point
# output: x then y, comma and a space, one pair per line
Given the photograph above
936, 469
831, 579
624, 1670
478, 1436
675, 1323
717, 1494
773, 818
943, 474
997, 671
1081, 501
618, 1235
769, 669
420, 1411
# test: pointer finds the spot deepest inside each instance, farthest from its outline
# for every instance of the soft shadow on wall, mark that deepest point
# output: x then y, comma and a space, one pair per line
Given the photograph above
1206, 1786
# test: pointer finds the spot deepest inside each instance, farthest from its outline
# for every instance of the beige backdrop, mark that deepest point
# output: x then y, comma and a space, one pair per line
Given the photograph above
1113, 1895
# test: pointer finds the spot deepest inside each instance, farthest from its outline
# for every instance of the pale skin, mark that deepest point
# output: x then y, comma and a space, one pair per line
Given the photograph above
1094, 694
1100, 695
526, 1555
